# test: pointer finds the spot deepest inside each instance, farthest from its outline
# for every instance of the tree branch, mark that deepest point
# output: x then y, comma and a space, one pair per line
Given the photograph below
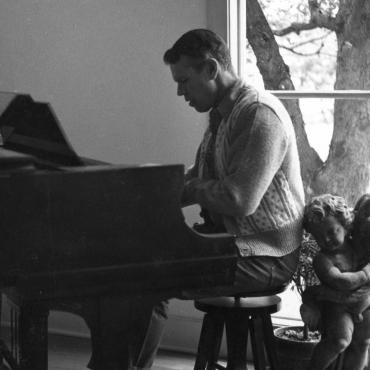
305, 42
318, 19
296, 28
311, 40
292, 49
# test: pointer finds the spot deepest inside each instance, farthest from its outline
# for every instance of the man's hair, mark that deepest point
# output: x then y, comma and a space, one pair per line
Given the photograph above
326, 205
199, 44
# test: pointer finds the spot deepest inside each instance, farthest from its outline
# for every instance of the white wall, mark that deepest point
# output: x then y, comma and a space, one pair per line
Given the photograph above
99, 64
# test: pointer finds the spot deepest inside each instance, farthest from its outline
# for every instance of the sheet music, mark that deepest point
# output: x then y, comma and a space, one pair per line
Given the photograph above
32, 127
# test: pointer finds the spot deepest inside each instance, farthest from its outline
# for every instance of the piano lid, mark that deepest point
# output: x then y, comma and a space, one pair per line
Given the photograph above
31, 127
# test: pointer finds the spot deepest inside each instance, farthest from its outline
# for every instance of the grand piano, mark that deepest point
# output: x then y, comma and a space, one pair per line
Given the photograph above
76, 231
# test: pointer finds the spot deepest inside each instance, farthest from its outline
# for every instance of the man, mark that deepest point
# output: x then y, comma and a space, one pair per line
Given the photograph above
246, 175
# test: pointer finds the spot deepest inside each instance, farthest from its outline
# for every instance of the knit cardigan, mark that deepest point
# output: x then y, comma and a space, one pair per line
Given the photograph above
256, 191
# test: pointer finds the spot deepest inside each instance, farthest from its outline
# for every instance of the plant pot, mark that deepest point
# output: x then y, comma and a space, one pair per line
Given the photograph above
294, 353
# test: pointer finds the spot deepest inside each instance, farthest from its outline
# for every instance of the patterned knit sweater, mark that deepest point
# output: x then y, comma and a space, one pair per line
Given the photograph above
252, 185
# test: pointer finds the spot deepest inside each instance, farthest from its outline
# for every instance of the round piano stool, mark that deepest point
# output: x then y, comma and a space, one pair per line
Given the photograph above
242, 315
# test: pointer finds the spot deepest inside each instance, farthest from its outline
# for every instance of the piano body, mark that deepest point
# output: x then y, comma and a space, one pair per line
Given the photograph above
75, 230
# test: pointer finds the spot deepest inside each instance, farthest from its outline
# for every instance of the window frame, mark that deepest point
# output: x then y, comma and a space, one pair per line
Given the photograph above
228, 18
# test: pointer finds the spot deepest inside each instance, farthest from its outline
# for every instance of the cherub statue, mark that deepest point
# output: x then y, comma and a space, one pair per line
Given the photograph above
341, 269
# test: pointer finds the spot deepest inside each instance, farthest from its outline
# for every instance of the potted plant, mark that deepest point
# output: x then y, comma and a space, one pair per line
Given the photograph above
296, 343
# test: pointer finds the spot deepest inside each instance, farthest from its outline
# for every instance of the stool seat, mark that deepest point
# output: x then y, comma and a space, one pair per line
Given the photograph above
242, 316
252, 304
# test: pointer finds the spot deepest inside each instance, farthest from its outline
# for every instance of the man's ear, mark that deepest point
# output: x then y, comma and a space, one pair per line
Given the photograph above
212, 66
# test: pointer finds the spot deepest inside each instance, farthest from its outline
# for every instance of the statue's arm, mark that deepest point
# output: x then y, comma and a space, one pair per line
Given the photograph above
325, 293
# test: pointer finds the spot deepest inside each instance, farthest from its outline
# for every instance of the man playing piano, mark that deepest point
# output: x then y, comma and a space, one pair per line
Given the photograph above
246, 176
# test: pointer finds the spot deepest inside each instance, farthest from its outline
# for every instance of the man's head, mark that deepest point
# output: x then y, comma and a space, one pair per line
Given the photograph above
199, 61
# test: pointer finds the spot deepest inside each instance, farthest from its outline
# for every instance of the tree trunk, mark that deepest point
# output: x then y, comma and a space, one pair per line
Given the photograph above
347, 169
276, 76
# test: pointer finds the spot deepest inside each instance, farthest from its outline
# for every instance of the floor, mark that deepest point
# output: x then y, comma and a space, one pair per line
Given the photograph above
70, 353
73, 353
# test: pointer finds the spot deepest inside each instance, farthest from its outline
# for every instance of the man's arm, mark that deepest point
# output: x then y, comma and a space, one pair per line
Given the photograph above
331, 276
255, 156
191, 173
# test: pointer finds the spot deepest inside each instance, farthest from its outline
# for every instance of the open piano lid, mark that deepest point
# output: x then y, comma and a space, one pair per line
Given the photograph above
31, 127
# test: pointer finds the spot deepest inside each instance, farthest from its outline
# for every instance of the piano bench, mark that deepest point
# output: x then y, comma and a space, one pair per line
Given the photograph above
240, 315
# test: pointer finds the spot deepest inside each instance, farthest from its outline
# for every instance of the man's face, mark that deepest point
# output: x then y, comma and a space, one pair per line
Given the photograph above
196, 85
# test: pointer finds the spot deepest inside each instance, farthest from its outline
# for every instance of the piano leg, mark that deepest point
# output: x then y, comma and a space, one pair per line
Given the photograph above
124, 332
109, 340
34, 336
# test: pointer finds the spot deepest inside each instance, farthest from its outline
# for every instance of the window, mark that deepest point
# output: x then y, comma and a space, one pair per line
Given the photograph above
228, 18
314, 91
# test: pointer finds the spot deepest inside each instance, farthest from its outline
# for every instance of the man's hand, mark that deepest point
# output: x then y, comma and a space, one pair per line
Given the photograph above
188, 195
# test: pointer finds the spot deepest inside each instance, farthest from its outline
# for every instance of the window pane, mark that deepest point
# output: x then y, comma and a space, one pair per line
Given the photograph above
318, 117
290, 303
310, 54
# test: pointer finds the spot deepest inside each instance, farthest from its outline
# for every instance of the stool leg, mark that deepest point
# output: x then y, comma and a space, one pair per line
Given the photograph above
270, 343
237, 337
257, 341
209, 341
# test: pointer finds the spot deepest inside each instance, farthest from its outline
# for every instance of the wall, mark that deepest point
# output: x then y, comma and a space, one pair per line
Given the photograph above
99, 64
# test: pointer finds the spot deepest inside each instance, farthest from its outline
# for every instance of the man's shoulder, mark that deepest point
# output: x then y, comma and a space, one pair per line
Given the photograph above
253, 98
247, 94
246, 102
